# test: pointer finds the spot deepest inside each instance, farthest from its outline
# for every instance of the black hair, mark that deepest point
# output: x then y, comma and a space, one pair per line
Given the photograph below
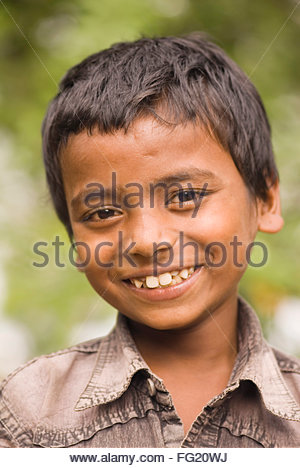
189, 77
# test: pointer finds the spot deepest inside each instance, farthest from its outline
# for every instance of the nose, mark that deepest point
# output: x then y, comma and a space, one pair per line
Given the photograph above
150, 234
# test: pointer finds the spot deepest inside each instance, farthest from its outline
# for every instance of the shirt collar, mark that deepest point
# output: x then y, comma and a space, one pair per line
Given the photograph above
256, 362
118, 360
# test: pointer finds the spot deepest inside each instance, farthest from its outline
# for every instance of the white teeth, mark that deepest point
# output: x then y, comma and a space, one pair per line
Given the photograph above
165, 279
152, 282
184, 274
138, 284
177, 279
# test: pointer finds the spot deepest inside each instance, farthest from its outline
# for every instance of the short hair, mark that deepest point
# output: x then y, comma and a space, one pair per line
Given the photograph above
189, 77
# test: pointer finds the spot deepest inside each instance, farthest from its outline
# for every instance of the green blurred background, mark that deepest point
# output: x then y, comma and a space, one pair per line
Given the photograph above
44, 309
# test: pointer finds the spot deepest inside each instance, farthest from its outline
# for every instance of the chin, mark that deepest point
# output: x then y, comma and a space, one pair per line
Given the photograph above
166, 320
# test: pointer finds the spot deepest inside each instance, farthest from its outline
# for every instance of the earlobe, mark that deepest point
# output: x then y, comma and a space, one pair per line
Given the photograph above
271, 223
269, 211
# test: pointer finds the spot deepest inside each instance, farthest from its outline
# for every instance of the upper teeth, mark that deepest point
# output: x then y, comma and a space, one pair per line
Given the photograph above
163, 280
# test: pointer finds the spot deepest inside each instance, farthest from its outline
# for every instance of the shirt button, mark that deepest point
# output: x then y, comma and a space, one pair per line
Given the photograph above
151, 387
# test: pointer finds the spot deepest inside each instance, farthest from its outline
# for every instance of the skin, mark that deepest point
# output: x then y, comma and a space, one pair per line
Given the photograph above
189, 341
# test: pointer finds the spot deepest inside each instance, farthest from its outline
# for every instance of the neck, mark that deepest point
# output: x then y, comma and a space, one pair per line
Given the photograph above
204, 346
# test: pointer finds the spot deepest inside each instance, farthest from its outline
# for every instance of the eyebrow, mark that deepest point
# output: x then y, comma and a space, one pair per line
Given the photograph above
189, 173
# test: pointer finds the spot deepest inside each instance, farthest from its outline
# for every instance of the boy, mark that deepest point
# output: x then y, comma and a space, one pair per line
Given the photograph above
159, 163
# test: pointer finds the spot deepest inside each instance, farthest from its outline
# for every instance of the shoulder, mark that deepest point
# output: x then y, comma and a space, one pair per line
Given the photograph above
40, 386
289, 367
286, 362
49, 366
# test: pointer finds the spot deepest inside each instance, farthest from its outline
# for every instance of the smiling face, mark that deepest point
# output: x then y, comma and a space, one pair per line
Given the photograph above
159, 283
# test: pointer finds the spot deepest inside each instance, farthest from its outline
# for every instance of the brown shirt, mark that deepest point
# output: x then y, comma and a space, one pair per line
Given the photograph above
102, 394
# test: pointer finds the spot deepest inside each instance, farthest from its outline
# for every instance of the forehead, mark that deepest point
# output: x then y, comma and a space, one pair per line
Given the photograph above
147, 151
143, 138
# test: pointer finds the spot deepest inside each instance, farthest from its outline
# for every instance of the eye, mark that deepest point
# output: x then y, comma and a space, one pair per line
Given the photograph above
105, 213
184, 196
102, 214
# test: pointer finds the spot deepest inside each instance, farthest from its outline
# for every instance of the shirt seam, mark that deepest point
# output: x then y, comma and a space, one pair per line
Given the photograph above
88, 436
262, 442
9, 434
11, 438
17, 419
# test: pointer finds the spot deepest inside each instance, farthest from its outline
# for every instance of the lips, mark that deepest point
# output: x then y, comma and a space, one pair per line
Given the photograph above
167, 291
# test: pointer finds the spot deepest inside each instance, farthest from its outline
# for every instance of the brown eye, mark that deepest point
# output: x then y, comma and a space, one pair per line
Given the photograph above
186, 195
105, 213
102, 215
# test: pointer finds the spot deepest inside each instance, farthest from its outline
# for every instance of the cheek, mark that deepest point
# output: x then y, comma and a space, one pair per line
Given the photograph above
225, 234
95, 255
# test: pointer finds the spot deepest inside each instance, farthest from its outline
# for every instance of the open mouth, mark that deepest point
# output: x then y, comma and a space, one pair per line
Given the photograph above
164, 280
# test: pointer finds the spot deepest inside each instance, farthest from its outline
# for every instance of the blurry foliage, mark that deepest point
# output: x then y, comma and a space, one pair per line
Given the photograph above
60, 33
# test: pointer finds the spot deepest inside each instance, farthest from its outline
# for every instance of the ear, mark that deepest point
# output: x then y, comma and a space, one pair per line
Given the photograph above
269, 211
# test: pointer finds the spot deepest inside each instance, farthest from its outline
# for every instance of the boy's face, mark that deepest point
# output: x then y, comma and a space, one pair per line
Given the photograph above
155, 224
